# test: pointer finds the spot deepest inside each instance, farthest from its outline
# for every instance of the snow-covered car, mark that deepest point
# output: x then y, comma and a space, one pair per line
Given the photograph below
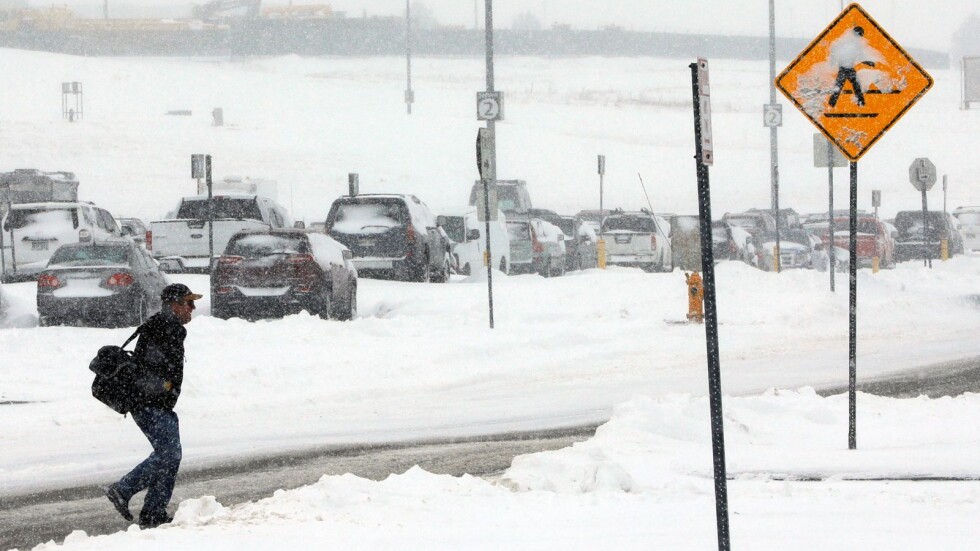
638, 239
468, 243
108, 283
536, 246
874, 239
391, 236
275, 272
580, 239
181, 241
797, 250
915, 241
33, 231
969, 220
133, 227
753, 222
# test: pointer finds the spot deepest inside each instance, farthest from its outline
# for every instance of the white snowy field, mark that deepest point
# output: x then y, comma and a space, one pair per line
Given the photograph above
420, 361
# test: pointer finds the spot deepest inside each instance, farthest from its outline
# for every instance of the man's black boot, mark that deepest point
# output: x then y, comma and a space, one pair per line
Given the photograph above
118, 501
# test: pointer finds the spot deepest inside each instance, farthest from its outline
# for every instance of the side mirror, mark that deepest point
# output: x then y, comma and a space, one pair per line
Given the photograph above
440, 220
473, 235
347, 254
299, 225
818, 247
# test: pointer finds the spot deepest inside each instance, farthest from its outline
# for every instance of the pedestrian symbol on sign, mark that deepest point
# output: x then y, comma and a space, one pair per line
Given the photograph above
849, 52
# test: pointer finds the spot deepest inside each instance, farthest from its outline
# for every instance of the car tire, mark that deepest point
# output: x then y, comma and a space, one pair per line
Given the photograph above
47, 321
423, 272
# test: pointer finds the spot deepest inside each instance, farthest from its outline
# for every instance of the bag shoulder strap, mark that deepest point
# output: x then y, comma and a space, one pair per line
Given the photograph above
133, 336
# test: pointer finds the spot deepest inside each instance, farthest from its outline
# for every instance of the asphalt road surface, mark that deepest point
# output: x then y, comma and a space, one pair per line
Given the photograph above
28, 520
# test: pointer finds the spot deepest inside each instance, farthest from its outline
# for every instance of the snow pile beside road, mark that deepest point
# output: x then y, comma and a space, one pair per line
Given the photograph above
642, 482
652, 445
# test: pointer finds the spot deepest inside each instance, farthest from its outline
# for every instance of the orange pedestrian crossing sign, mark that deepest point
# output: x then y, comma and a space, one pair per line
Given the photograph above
854, 82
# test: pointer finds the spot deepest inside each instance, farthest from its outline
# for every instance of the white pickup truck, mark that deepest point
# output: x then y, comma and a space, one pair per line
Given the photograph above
180, 243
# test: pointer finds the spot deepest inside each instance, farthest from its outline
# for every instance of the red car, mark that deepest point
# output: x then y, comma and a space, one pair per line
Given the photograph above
873, 239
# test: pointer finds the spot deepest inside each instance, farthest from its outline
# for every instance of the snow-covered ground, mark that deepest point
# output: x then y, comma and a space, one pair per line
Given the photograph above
420, 361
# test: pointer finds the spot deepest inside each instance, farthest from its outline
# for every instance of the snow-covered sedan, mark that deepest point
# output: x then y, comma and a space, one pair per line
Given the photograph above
109, 283
274, 272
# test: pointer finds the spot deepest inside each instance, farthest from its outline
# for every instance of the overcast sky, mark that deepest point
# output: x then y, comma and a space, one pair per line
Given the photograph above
926, 24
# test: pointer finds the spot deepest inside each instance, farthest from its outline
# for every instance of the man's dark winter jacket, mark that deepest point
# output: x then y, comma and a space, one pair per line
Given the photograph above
160, 350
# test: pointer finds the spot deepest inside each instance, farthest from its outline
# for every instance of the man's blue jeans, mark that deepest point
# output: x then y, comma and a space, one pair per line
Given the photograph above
158, 473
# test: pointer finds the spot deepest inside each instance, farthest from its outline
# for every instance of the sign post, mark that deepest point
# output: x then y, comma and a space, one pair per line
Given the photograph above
922, 176
201, 168
601, 245
853, 82
484, 155
703, 157
826, 155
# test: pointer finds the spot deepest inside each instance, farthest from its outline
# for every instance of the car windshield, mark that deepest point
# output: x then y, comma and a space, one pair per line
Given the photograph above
260, 245
370, 216
224, 208
455, 228
90, 255
22, 218
630, 223
518, 230
566, 225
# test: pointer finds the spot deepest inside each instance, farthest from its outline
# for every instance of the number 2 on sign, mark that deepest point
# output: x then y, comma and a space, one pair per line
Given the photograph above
489, 109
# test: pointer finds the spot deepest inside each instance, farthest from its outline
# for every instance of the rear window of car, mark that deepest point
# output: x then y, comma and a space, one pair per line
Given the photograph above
22, 218
743, 221
262, 245
90, 255
224, 208
371, 216
455, 228
969, 218
630, 223
907, 220
518, 230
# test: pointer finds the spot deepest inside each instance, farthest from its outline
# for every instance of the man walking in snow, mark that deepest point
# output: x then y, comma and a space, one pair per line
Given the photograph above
847, 52
160, 351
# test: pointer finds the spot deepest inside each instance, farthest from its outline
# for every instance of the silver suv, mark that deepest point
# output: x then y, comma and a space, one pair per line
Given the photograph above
638, 239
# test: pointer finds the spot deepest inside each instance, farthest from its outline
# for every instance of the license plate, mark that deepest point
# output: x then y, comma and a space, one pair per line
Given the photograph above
366, 242
623, 239
39, 245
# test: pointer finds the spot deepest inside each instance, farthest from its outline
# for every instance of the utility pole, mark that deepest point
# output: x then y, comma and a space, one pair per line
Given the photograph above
409, 94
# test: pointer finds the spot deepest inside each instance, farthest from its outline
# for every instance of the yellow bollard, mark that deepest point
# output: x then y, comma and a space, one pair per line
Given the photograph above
944, 250
695, 298
486, 258
601, 253
874, 264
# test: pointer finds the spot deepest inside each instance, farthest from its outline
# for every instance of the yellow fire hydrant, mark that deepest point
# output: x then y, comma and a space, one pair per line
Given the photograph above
695, 298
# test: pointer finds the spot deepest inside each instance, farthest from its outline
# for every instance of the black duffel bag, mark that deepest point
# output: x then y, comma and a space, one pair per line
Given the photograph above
116, 377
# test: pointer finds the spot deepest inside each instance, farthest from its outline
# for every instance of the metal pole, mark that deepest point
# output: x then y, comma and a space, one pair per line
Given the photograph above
773, 150
852, 332
926, 256
944, 195
210, 213
408, 54
491, 129
711, 332
833, 241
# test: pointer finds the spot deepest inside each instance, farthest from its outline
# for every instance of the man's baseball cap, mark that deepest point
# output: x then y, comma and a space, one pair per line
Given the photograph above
177, 292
